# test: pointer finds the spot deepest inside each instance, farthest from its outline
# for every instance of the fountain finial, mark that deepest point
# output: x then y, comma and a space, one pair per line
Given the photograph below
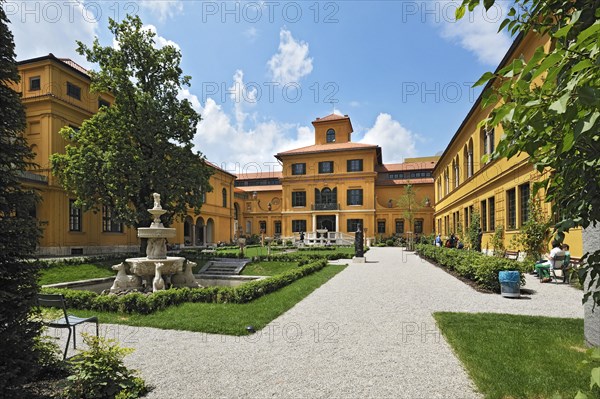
156, 201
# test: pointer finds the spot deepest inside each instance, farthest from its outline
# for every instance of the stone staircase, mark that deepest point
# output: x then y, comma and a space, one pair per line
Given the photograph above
224, 266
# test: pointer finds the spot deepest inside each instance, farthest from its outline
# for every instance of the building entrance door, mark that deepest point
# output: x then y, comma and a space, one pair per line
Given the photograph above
326, 222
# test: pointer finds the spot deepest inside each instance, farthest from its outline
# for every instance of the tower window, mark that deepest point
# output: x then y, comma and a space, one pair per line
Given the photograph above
331, 136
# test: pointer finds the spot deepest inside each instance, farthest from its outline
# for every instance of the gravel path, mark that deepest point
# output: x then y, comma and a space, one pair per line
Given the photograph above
368, 332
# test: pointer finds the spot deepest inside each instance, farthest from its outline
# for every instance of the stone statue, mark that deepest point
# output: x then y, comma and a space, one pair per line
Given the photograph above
156, 201
158, 283
186, 278
123, 281
156, 248
359, 250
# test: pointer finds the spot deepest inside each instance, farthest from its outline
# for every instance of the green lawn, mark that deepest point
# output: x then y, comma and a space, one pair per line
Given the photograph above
66, 273
224, 318
349, 251
268, 268
248, 252
512, 356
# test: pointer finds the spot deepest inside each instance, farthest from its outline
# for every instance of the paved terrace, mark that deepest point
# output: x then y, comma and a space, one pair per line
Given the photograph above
368, 332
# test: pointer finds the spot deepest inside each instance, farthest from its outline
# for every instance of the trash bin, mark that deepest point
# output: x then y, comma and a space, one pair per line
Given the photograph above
510, 283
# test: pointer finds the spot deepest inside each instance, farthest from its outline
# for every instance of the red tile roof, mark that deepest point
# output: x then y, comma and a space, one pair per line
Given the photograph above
332, 117
328, 147
250, 189
75, 65
267, 174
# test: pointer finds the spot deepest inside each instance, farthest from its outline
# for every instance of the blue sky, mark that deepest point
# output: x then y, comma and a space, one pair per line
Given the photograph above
263, 70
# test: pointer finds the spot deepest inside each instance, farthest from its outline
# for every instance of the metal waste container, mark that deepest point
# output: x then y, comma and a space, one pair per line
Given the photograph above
510, 283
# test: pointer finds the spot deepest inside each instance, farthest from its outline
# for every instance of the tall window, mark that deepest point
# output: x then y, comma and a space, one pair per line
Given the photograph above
354, 165
446, 182
400, 226
511, 204
484, 215
299, 169
418, 226
277, 227
355, 197
492, 212
74, 217
439, 186
524, 193
470, 166
331, 136
298, 198
109, 224
224, 193
326, 167
352, 225
73, 91
298, 226
263, 226
466, 218
456, 173
381, 227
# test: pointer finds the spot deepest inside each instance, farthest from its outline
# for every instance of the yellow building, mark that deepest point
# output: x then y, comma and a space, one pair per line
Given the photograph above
56, 93
499, 190
334, 186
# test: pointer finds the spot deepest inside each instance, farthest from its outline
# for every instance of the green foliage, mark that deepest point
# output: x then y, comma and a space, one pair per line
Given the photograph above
409, 205
99, 372
472, 265
555, 120
593, 358
142, 143
498, 242
18, 228
146, 304
65, 273
472, 233
534, 234
49, 356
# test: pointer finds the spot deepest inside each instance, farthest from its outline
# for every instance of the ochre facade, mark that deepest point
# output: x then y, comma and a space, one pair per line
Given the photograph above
499, 190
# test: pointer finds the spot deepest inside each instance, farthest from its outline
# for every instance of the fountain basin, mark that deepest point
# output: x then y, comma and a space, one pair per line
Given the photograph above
156, 232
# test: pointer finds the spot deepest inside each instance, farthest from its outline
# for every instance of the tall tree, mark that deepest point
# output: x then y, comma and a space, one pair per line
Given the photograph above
142, 143
18, 228
549, 106
410, 205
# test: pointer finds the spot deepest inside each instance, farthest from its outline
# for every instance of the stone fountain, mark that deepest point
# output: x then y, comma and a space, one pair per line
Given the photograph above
156, 271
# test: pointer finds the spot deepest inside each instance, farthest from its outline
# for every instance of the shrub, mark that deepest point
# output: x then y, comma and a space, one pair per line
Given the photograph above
534, 235
389, 242
472, 265
99, 372
146, 304
498, 242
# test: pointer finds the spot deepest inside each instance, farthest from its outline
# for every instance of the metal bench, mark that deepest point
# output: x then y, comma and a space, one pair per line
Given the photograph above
514, 255
67, 321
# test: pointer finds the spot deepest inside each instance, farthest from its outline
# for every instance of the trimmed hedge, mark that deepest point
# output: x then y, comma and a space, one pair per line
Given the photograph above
146, 304
475, 266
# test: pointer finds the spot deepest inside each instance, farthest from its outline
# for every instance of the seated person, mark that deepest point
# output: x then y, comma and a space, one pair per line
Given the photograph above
565, 248
543, 268
459, 244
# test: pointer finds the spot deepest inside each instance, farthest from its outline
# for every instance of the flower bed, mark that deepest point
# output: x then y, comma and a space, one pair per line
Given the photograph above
475, 266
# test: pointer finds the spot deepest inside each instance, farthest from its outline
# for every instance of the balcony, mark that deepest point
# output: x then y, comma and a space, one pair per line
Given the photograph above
326, 207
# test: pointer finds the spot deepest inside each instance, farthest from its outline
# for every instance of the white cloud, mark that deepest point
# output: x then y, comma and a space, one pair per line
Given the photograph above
477, 32
354, 104
159, 40
396, 141
225, 142
163, 9
44, 27
291, 62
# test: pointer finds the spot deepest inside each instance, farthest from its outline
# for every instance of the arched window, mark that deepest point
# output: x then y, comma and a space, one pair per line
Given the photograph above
224, 198
331, 136
470, 167
439, 186
456, 172
446, 182
236, 211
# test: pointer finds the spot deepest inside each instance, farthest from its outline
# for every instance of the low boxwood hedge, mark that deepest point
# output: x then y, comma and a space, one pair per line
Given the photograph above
475, 266
149, 303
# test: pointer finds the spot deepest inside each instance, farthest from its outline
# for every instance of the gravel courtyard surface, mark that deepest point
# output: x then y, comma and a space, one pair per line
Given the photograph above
368, 332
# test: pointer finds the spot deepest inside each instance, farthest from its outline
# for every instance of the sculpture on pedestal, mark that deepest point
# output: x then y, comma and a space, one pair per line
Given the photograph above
359, 250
